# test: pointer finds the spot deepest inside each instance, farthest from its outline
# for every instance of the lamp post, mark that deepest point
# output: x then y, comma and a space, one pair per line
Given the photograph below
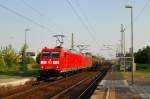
132, 52
26, 30
24, 57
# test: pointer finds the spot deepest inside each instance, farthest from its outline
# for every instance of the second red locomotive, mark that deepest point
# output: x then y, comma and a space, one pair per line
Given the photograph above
59, 61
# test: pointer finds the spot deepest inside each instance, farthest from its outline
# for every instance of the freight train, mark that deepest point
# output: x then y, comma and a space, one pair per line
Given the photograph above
60, 61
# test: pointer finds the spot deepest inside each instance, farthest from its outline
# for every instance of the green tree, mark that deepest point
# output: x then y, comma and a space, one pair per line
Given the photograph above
143, 55
10, 57
38, 58
23, 57
2, 62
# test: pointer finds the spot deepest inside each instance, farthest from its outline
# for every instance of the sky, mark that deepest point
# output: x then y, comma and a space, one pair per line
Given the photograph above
93, 22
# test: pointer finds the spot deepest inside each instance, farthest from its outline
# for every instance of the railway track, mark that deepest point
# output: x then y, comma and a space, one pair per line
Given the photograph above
29, 85
76, 86
92, 86
82, 89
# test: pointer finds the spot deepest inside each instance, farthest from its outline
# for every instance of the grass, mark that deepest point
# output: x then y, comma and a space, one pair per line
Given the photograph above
18, 74
137, 74
143, 67
143, 70
14, 74
140, 77
7, 76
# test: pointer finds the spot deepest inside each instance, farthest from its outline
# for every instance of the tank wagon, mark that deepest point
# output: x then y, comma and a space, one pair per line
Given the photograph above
60, 61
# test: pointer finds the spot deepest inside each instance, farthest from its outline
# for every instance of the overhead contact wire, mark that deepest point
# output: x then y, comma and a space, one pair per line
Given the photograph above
88, 22
26, 18
80, 19
142, 10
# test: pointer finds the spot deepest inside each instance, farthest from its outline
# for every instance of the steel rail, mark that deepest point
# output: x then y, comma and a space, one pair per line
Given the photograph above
42, 85
37, 87
96, 78
64, 91
90, 89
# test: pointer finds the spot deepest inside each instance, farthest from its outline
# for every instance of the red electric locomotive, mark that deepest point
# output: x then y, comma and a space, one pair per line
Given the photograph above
59, 61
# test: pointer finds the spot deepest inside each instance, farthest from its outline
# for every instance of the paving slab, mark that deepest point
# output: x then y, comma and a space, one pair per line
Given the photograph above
114, 86
15, 82
7, 80
143, 91
114, 83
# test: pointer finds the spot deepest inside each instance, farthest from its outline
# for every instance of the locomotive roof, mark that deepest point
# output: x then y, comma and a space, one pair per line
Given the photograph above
60, 48
63, 49
74, 51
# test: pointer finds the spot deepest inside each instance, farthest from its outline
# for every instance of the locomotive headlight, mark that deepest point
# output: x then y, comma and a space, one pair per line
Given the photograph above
43, 62
42, 67
57, 67
55, 62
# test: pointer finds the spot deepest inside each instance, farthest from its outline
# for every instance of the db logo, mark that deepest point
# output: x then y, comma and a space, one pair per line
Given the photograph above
50, 62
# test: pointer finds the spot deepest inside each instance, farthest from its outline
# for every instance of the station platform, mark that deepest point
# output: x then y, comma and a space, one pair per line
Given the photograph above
15, 81
115, 86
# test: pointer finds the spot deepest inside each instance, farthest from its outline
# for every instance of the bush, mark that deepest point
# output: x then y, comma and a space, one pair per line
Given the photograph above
143, 67
32, 66
30, 60
118, 66
35, 66
2, 63
10, 57
10, 60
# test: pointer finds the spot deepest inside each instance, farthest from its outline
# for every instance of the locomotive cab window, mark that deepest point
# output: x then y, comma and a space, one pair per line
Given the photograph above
45, 54
55, 54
